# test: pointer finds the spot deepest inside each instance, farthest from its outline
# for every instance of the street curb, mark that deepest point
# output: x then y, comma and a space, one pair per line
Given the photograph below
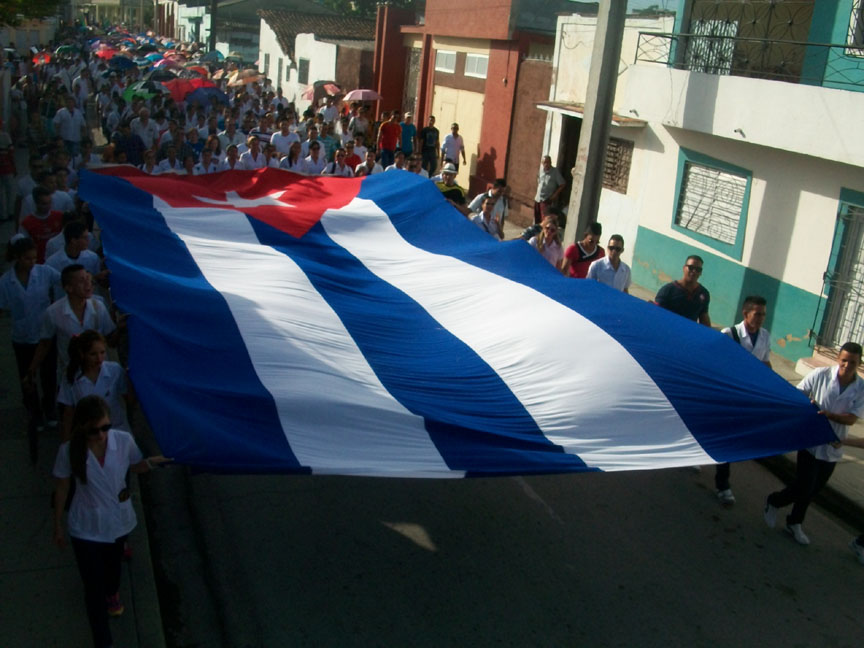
148, 615
828, 498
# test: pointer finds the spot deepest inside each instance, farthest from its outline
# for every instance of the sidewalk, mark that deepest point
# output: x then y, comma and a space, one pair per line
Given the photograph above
844, 494
41, 594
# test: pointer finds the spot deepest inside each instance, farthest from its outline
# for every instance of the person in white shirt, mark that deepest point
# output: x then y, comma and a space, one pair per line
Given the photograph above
207, 163
398, 162
145, 128
101, 515
369, 167
453, 146
70, 316
171, 163
60, 200
70, 125
757, 340
284, 138
359, 147
485, 220
75, 251
82, 87
315, 162
90, 373
838, 393
232, 160
26, 290
279, 101
232, 136
329, 112
294, 160
150, 166
338, 167
254, 158
610, 269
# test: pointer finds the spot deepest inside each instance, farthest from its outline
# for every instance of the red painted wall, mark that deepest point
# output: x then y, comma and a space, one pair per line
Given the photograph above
388, 68
469, 19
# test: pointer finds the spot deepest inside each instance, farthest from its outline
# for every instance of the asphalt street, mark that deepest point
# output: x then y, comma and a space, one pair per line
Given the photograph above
628, 559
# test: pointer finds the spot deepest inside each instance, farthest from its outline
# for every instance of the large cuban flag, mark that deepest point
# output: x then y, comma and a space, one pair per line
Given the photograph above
282, 323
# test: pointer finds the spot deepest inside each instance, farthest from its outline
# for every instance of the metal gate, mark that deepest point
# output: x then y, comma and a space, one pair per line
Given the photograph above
844, 282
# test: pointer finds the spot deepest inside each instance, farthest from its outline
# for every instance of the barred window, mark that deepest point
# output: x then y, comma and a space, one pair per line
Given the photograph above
616, 170
855, 38
303, 71
711, 202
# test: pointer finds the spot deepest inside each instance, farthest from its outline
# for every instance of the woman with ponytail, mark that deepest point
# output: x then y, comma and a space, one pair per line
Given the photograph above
26, 290
101, 514
89, 373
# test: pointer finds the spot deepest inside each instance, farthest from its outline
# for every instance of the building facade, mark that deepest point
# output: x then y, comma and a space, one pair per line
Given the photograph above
742, 147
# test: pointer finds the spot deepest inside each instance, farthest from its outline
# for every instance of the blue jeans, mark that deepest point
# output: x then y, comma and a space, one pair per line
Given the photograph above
387, 157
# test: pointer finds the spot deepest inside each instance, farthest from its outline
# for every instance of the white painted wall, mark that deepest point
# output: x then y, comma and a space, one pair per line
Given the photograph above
185, 12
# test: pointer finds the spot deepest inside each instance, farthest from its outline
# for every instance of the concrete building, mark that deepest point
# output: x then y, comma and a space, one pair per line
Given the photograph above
737, 138
298, 49
463, 62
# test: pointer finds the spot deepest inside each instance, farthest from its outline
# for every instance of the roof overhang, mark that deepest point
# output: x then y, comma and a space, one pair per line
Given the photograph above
573, 109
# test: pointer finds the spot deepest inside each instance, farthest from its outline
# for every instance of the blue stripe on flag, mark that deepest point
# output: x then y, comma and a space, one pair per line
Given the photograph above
477, 424
232, 414
715, 407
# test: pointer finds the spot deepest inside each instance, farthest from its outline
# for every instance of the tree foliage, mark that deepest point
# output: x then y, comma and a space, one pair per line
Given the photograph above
13, 11
362, 8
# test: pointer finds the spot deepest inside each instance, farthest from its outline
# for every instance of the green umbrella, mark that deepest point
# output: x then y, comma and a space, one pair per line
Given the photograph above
65, 49
143, 90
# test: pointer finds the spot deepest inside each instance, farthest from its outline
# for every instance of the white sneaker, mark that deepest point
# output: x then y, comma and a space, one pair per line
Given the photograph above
798, 533
726, 496
770, 515
857, 549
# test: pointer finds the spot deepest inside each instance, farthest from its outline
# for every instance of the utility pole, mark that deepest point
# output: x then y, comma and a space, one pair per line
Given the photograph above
211, 41
594, 135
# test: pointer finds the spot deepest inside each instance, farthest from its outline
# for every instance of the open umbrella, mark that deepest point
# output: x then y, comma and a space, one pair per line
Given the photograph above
362, 94
147, 47
143, 90
213, 56
64, 50
154, 56
106, 53
121, 63
162, 75
166, 63
42, 58
180, 88
203, 95
198, 69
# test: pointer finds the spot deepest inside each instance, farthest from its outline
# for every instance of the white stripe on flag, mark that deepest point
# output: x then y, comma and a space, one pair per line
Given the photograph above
335, 413
577, 394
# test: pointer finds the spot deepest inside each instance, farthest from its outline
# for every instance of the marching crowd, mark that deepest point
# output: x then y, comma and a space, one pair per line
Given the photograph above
56, 287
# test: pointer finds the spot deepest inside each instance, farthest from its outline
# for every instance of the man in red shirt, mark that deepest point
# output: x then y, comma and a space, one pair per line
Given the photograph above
351, 157
389, 137
43, 224
579, 257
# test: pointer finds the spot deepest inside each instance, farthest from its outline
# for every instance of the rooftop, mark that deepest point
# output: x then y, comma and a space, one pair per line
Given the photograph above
287, 24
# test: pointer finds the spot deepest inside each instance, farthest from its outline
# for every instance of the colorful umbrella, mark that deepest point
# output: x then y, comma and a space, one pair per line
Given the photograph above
214, 56
161, 75
121, 63
166, 63
180, 88
42, 58
106, 53
362, 94
155, 56
203, 95
65, 49
143, 90
198, 69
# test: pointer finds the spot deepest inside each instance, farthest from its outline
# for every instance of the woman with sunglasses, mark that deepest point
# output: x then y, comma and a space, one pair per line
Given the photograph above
101, 513
547, 243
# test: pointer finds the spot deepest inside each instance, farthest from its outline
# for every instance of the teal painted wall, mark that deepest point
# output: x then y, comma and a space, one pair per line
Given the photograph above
659, 259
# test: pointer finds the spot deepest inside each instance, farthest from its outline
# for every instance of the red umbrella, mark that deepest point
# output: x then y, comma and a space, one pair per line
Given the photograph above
179, 88
107, 53
42, 58
199, 69
167, 63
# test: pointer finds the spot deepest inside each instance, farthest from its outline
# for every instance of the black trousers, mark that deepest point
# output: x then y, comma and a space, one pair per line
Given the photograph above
47, 378
99, 564
721, 476
812, 475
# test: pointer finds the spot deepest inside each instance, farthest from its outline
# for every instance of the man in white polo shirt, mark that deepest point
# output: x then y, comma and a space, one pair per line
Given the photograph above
611, 270
757, 340
838, 392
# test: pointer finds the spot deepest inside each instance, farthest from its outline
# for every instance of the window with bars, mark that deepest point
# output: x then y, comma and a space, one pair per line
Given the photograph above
616, 169
855, 38
303, 71
266, 64
445, 61
711, 204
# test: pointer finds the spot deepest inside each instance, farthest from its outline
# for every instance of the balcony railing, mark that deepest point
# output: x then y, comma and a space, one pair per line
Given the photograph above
836, 66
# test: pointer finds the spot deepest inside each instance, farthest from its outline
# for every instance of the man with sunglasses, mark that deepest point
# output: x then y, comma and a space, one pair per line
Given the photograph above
687, 296
611, 270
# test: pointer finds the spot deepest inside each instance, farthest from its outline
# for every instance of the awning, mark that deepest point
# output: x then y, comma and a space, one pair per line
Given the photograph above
573, 109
